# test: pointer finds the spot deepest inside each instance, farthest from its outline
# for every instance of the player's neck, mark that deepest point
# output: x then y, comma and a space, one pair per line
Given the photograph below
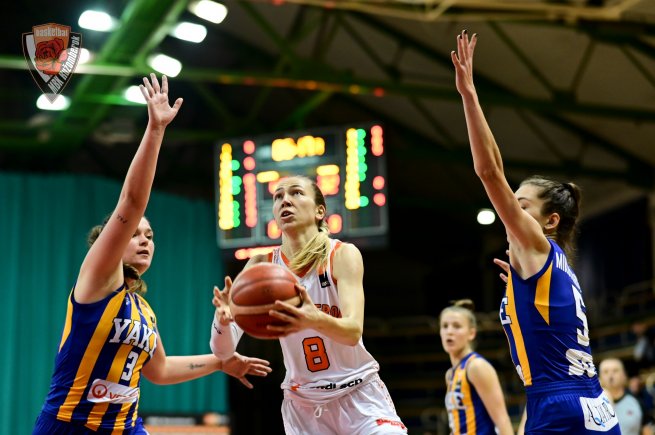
293, 243
615, 393
456, 357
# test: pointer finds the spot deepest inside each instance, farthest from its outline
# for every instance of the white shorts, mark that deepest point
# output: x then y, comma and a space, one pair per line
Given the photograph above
366, 410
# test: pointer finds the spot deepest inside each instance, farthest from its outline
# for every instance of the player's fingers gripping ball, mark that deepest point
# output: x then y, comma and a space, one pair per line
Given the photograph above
254, 293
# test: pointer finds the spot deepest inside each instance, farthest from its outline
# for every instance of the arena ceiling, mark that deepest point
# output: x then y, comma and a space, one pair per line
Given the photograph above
568, 87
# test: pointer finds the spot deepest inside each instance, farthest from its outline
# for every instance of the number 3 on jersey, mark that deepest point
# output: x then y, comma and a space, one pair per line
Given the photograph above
315, 355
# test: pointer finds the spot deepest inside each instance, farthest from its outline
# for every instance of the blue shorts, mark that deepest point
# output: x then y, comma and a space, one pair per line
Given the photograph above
47, 424
571, 413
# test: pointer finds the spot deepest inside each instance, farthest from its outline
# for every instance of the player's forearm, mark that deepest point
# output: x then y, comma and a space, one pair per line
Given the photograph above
224, 339
140, 175
185, 368
504, 425
486, 155
343, 330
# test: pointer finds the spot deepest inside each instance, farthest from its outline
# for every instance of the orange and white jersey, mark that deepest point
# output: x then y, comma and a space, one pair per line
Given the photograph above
318, 368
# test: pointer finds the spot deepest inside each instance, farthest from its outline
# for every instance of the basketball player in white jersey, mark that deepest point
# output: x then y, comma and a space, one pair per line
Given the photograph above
332, 384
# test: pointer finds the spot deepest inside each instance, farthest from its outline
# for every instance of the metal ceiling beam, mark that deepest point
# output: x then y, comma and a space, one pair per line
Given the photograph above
344, 82
493, 93
296, 118
567, 168
144, 24
434, 10
426, 148
302, 26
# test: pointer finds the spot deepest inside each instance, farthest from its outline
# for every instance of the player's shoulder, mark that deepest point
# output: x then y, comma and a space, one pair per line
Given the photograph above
478, 366
345, 249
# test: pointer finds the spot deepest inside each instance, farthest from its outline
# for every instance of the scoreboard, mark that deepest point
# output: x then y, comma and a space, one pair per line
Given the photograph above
348, 164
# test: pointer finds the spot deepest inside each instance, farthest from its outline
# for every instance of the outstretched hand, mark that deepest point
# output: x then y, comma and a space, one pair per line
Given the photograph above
159, 111
463, 61
221, 301
239, 366
503, 265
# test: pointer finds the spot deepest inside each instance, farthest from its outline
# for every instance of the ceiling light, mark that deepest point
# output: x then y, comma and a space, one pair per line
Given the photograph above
96, 20
189, 32
486, 216
134, 94
165, 64
209, 10
60, 103
85, 56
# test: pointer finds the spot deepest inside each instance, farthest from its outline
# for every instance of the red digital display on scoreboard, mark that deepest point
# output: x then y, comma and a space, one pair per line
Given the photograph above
348, 163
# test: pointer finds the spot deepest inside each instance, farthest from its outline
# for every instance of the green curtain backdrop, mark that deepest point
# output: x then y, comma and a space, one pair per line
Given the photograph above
43, 225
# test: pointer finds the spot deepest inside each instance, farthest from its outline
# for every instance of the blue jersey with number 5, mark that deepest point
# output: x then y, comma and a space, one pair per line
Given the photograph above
545, 321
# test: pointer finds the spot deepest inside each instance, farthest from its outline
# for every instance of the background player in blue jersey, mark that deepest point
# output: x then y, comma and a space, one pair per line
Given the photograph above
110, 336
474, 398
542, 312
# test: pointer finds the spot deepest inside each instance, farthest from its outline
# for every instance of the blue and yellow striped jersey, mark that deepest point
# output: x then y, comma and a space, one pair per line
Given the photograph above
545, 321
466, 412
97, 372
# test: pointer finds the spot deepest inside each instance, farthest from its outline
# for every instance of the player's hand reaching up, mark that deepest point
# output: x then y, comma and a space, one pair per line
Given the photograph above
159, 111
221, 301
463, 61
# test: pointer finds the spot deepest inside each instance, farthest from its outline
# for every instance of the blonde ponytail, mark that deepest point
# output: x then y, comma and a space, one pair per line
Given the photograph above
315, 253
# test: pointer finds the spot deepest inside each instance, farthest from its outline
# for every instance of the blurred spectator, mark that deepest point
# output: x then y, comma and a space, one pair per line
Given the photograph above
644, 350
632, 418
643, 393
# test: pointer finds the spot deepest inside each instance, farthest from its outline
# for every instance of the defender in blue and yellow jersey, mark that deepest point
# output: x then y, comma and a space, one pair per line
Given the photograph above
474, 398
110, 338
544, 318
466, 412
542, 312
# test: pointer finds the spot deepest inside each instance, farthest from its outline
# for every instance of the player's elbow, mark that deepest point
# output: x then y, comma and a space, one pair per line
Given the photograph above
354, 337
156, 377
488, 172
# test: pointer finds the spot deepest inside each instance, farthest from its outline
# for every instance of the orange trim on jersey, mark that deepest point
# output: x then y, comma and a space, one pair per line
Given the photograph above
69, 322
284, 257
287, 263
336, 246
269, 257
542, 295
105, 324
519, 344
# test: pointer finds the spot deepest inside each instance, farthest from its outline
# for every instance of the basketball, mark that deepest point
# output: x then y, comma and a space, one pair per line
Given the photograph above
254, 293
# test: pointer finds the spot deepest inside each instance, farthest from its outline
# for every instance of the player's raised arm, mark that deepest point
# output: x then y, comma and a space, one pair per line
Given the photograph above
102, 272
487, 160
